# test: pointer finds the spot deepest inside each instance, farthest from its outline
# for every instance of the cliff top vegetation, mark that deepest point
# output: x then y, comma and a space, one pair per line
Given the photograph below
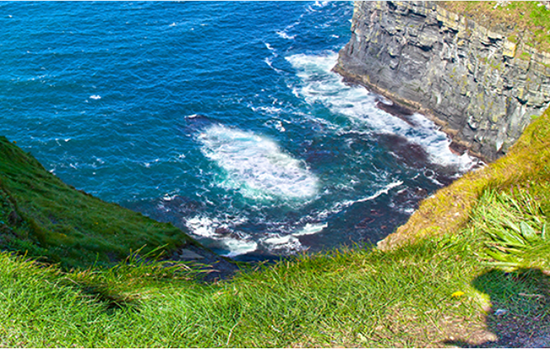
527, 21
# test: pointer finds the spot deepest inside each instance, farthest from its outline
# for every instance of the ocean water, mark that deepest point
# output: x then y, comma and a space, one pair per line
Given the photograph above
222, 118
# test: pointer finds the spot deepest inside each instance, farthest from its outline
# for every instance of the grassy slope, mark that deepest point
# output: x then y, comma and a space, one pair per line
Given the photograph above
44, 216
434, 291
526, 165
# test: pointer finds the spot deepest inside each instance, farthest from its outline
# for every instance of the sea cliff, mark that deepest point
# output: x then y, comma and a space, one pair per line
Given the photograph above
481, 84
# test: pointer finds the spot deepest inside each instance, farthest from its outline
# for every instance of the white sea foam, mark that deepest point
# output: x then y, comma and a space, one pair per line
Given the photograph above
284, 35
408, 211
287, 244
167, 197
270, 48
436, 143
276, 240
256, 165
385, 190
318, 4
378, 193
279, 126
269, 62
339, 206
276, 124
95, 97
310, 229
205, 227
267, 109
239, 247
320, 85
201, 226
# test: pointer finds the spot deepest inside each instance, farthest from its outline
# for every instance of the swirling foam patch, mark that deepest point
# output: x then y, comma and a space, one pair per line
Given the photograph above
256, 166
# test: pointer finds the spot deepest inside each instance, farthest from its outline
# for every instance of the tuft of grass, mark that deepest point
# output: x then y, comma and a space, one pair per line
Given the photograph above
516, 230
525, 56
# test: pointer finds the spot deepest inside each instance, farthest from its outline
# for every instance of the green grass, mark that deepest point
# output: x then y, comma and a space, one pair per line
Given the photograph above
526, 165
355, 298
516, 228
403, 298
45, 217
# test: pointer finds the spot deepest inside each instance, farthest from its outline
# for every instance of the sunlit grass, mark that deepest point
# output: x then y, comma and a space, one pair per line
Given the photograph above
527, 164
46, 217
354, 298
516, 230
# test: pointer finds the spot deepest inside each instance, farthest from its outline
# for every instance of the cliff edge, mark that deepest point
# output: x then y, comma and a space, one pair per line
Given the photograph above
482, 85
44, 218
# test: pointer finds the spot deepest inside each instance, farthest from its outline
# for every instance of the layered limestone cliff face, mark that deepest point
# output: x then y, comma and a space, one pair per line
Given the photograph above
479, 86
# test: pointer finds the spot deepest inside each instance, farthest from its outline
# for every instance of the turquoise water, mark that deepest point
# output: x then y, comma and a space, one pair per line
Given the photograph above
222, 118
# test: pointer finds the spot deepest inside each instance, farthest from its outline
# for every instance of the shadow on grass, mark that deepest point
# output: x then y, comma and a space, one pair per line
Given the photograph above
520, 310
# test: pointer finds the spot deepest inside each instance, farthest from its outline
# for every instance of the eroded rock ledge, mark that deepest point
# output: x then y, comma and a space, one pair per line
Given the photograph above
479, 86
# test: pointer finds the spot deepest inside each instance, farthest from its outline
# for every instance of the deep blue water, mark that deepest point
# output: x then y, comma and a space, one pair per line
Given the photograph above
223, 118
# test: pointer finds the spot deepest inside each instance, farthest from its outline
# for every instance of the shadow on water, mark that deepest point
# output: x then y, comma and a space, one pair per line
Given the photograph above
519, 316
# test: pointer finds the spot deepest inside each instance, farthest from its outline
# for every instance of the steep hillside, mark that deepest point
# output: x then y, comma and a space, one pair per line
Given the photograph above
526, 166
41, 215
